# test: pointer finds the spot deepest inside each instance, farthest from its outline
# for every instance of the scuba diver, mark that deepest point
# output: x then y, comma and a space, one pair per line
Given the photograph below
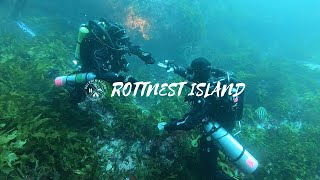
101, 49
204, 111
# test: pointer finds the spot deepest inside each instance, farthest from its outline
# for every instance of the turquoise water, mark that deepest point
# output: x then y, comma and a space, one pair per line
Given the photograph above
271, 46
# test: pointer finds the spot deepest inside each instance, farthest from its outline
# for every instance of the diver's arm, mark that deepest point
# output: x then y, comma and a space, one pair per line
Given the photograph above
190, 120
135, 49
143, 55
181, 71
172, 67
184, 124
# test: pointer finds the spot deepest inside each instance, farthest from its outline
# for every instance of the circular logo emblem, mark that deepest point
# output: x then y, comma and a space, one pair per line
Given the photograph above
95, 89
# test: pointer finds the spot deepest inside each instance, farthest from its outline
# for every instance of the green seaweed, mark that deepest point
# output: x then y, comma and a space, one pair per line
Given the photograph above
43, 136
36, 138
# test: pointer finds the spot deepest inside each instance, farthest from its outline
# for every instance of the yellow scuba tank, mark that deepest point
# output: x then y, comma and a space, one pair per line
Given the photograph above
194, 142
83, 31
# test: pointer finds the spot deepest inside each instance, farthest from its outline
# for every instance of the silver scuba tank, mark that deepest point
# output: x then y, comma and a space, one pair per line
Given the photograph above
231, 147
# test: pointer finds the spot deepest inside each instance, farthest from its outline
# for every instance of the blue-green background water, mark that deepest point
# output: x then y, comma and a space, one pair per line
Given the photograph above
272, 46
287, 28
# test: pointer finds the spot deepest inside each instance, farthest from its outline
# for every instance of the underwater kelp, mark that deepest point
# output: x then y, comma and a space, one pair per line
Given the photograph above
40, 132
284, 153
45, 138
284, 148
135, 129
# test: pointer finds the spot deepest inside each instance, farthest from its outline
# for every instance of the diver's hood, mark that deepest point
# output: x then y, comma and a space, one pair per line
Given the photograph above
111, 34
198, 75
199, 70
118, 34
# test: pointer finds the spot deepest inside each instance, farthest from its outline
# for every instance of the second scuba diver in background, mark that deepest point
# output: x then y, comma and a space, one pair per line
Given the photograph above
218, 115
101, 49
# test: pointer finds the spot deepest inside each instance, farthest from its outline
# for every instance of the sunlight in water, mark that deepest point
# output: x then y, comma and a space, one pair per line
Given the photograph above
134, 21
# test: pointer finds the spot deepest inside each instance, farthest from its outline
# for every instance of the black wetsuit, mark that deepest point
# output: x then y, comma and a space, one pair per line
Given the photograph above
104, 60
99, 55
221, 110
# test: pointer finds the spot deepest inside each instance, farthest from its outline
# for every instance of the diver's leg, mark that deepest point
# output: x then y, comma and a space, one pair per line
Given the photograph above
208, 158
77, 93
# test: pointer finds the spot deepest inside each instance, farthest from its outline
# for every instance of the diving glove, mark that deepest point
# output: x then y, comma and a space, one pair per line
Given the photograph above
147, 58
168, 65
